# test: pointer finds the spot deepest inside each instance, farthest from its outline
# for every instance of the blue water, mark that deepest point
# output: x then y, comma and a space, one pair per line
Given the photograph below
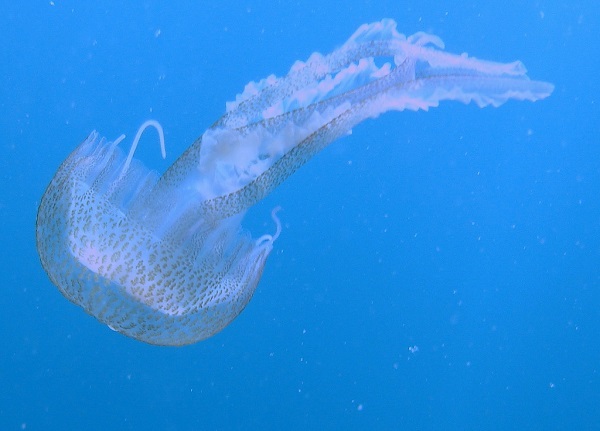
437, 270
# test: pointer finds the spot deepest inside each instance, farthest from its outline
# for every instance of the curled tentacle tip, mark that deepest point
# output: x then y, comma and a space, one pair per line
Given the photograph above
268, 237
277, 221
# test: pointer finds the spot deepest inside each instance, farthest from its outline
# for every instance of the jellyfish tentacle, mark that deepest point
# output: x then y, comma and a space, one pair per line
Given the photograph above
136, 140
268, 238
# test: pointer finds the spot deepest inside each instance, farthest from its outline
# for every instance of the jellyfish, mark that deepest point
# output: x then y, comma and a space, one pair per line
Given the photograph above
163, 258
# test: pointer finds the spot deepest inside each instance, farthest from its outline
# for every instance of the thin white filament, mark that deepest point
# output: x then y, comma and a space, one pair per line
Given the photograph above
115, 143
112, 147
268, 237
136, 140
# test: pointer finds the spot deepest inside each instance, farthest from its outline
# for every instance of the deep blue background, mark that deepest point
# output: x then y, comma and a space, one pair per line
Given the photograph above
469, 236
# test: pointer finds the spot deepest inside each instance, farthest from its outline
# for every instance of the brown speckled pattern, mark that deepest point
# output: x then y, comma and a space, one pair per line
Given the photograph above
138, 284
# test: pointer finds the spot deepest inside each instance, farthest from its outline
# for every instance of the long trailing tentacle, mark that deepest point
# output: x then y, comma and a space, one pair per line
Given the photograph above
277, 124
